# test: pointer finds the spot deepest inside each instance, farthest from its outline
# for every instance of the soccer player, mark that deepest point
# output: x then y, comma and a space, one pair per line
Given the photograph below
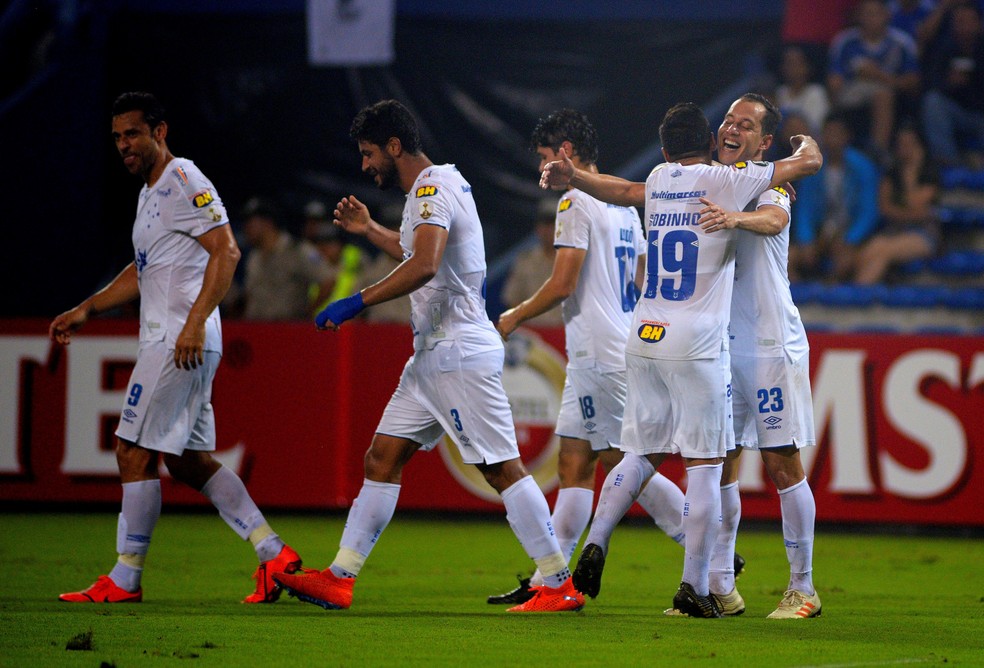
596, 274
772, 401
453, 382
185, 258
678, 398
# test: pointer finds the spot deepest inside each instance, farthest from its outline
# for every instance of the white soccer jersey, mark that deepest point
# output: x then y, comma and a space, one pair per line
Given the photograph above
686, 303
181, 206
598, 314
451, 306
764, 320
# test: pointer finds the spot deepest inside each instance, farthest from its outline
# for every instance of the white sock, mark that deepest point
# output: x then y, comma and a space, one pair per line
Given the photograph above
571, 514
701, 523
722, 575
140, 510
799, 513
618, 493
228, 494
369, 515
663, 500
529, 516
268, 547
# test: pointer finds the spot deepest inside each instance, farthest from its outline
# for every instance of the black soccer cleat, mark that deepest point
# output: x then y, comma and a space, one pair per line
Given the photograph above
587, 574
739, 564
686, 603
517, 596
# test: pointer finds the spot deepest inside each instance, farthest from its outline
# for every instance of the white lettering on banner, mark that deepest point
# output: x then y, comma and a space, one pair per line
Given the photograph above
839, 405
930, 425
14, 350
976, 375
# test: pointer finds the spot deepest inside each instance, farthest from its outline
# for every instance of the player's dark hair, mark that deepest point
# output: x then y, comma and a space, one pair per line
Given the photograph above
147, 103
685, 132
772, 117
567, 125
384, 119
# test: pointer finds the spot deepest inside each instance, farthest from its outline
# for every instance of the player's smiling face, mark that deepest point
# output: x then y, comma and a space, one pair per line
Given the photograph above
378, 164
137, 144
740, 135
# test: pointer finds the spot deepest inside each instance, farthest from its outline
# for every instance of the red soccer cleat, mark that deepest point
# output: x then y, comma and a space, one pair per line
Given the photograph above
562, 599
103, 591
318, 587
268, 591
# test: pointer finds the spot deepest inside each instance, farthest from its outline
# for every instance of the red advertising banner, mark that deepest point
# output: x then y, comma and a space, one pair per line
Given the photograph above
900, 421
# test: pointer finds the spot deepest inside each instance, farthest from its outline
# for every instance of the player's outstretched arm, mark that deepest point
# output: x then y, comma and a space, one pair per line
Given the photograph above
561, 174
557, 288
767, 220
806, 160
121, 290
429, 242
353, 217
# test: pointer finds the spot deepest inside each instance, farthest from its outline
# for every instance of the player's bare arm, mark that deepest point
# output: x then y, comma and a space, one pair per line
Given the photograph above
223, 256
353, 217
429, 242
561, 284
561, 174
121, 290
767, 220
806, 160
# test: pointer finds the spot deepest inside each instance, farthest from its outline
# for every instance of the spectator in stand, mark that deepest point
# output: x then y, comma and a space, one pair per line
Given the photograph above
533, 267
375, 270
344, 259
910, 16
906, 197
953, 107
279, 267
835, 210
792, 125
872, 68
798, 94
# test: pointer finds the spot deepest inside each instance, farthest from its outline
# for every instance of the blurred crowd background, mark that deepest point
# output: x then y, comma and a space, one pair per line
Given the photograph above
888, 237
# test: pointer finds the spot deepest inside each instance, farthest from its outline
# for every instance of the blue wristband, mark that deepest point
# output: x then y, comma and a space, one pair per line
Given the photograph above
341, 310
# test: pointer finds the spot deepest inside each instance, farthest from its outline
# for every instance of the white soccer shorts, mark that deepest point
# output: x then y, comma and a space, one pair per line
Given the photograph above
773, 404
678, 406
591, 407
169, 409
441, 392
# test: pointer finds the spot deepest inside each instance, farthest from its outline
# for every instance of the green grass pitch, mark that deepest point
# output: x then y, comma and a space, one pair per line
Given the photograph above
887, 600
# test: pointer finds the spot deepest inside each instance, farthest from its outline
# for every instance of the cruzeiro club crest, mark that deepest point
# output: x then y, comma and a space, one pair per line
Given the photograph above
533, 378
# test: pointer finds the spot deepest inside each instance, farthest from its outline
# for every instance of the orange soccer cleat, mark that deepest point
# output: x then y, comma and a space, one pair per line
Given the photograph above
562, 599
104, 590
268, 591
318, 587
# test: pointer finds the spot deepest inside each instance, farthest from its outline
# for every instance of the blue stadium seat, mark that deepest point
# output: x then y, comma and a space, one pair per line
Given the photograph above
959, 263
967, 217
848, 294
914, 267
805, 292
962, 177
915, 296
970, 298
